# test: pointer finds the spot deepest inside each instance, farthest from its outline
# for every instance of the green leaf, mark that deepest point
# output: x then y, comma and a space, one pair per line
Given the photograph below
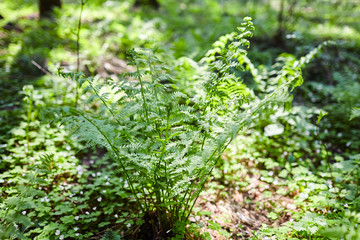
103, 224
321, 115
355, 112
204, 213
214, 225
272, 216
67, 219
225, 233
19, 132
345, 165
355, 157
140, 222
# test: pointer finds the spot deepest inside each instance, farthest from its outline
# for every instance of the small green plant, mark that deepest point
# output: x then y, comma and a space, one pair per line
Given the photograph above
348, 229
310, 223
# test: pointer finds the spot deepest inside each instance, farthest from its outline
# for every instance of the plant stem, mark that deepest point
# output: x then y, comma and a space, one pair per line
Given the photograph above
78, 48
208, 174
28, 123
116, 119
142, 91
113, 149
357, 186
327, 158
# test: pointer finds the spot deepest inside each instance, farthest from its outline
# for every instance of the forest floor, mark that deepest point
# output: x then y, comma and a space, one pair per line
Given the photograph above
243, 211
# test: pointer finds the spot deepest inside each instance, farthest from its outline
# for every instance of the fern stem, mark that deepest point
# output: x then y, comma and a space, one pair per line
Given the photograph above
114, 115
103, 101
158, 193
202, 148
203, 142
113, 148
224, 147
193, 186
142, 93
157, 189
164, 146
78, 48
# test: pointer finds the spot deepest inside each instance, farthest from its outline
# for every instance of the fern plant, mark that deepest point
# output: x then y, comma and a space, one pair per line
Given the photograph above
167, 143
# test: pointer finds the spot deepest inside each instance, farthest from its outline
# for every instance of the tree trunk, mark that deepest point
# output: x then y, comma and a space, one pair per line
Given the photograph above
279, 36
46, 8
153, 3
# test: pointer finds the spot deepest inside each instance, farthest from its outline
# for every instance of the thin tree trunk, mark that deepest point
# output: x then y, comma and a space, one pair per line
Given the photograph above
153, 3
279, 37
46, 8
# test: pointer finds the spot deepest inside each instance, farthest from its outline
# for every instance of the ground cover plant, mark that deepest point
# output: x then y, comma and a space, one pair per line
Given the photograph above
106, 135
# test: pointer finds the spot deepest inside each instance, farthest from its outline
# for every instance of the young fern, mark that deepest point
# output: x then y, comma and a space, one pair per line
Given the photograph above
224, 85
166, 143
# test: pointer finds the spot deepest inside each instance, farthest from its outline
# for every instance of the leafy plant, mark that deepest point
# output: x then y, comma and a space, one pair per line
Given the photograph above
165, 143
310, 223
